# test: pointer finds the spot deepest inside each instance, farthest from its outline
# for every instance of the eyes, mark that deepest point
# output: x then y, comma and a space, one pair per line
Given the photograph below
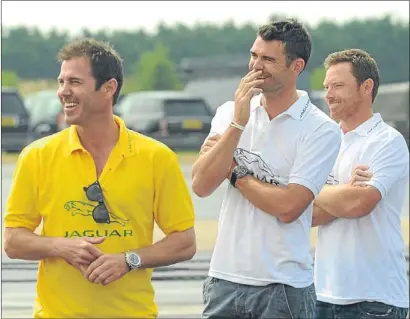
266, 58
70, 81
334, 86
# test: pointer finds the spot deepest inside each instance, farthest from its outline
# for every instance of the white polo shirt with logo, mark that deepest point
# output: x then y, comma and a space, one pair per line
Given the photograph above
362, 259
298, 146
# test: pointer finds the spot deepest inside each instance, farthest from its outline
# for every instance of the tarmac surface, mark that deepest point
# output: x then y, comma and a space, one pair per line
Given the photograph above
178, 288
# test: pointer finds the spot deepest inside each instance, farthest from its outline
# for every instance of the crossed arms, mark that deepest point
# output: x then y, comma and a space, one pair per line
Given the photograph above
388, 163
286, 203
353, 200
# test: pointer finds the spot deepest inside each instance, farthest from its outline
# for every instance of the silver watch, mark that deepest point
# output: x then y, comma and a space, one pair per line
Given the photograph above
133, 260
239, 172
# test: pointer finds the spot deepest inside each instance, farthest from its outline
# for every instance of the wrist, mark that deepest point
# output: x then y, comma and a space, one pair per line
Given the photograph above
57, 247
238, 173
239, 122
132, 259
242, 181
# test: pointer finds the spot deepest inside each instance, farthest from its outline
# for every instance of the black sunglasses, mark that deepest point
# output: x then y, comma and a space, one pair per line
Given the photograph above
100, 212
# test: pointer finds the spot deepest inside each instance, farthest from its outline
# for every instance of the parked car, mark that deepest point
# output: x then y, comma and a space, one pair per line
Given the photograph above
45, 113
15, 120
176, 118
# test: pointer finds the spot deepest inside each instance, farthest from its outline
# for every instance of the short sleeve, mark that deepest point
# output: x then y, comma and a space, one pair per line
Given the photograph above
388, 161
21, 207
222, 119
316, 157
173, 207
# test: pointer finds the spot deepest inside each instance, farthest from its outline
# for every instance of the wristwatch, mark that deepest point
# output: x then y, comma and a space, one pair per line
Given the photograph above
133, 260
239, 172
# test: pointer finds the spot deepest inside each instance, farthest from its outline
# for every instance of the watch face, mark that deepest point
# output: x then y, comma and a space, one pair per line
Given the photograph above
133, 260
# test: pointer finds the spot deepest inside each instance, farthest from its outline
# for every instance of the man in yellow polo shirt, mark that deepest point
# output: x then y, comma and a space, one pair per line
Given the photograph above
98, 188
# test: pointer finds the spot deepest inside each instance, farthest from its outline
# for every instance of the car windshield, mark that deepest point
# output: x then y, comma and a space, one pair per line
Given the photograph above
11, 104
186, 107
135, 104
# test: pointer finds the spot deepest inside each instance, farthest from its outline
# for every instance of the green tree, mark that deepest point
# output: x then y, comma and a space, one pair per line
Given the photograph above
316, 78
155, 71
9, 78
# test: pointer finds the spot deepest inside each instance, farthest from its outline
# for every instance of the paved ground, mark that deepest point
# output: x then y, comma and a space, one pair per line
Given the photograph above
176, 299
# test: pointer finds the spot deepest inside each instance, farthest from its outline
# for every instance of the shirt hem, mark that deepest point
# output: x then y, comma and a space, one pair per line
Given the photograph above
257, 281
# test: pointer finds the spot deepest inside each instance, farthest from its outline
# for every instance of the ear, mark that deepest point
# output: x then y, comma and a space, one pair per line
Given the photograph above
368, 86
298, 65
110, 87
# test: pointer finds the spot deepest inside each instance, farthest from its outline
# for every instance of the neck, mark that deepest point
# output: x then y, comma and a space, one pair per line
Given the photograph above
278, 102
364, 113
100, 135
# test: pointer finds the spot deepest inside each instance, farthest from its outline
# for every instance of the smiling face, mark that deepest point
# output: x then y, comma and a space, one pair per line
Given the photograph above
270, 58
344, 95
81, 101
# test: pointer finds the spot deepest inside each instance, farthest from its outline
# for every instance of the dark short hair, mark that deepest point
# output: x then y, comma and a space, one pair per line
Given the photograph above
363, 66
105, 62
297, 40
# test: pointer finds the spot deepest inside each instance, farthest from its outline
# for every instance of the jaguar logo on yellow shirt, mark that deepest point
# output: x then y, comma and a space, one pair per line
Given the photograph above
76, 207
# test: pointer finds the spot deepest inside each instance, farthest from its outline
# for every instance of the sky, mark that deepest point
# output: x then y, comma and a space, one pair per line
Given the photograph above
131, 15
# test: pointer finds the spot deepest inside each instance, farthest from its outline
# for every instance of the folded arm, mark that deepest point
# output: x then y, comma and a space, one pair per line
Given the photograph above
212, 167
320, 216
285, 203
348, 201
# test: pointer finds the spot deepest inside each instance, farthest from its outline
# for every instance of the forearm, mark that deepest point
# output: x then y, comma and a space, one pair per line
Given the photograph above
173, 248
320, 216
272, 199
21, 243
340, 200
211, 168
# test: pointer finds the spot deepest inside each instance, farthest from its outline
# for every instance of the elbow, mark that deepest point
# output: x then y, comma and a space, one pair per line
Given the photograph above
290, 215
189, 252
199, 188
10, 251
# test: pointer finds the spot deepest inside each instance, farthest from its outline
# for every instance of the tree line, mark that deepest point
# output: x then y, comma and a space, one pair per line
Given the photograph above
28, 53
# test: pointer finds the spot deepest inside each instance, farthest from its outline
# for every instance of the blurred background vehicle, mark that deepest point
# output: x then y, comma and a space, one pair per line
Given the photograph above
15, 119
46, 115
176, 118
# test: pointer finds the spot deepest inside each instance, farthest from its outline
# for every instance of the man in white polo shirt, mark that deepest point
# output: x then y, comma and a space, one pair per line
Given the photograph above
276, 149
360, 269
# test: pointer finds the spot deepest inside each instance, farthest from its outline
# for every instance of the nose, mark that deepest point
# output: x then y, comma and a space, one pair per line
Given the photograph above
329, 94
257, 64
63, 90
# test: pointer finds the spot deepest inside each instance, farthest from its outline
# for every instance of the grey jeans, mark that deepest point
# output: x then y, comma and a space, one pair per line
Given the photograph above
376, 310
225, 299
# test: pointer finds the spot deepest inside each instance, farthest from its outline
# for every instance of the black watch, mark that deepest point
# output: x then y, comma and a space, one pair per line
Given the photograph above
239, 172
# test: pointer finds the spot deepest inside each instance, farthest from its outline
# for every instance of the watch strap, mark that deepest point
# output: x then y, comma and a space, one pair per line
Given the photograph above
233, 179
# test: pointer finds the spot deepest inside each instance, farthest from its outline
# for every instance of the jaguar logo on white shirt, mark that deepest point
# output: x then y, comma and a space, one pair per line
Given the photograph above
257, 165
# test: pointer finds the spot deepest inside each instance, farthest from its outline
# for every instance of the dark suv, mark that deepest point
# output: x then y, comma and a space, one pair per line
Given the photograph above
45, 111
14, 121
176, 118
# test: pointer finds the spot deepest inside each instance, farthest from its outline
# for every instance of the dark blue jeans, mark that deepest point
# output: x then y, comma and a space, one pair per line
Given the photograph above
359, 310
225, 299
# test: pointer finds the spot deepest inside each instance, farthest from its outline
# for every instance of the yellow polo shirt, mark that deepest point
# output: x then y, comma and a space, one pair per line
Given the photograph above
142, 183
